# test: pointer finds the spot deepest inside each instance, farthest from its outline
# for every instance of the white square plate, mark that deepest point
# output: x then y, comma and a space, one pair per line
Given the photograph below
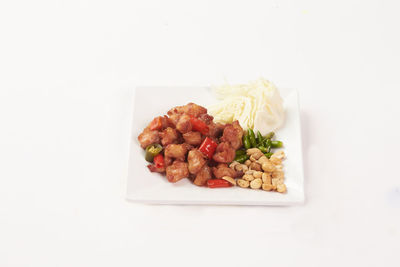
144, 186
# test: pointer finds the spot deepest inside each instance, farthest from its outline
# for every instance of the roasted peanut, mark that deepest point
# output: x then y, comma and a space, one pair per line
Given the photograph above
267, 187
229, 179
256, 183
234, 164
248, 177
279, 167
241, 167
278, 174
243, 183
276, 181
249, 172
271, 179
266, 178
275, 161
268, 166
251, 151
279, 155
256, 156
281, 188
255, 166
262, 159
257, 174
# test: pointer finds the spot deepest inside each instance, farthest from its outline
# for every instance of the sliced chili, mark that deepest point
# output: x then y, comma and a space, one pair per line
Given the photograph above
208, 147
159, 161
152, 151
218, 183
199, 125
156, 124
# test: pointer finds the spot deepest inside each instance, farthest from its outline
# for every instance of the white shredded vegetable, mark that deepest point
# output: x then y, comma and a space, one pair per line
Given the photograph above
257, 105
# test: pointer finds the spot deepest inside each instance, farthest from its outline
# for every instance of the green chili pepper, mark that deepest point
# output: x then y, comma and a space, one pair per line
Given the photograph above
263, 149
268, 155
240, 152
252, 138
276, 144
260, 138
241, 158
269, 135
152, 151
267, 144
246, 141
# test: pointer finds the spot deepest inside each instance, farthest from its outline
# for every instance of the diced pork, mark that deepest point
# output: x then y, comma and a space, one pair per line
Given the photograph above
224, 153
169, 136
174, 118
223, 170
167, 160
206, 118
176, 151
153, 168
192, 138
177, 171
203, 175
233, 134
148, 137
184, 125
215, 129
195, 160
159, 123
190, 109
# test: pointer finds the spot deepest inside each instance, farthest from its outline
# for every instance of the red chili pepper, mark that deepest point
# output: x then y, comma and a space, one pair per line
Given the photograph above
159, 161
199, 125
217, 183
208, 147
156, 124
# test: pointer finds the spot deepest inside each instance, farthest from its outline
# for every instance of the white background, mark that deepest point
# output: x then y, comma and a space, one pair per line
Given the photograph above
67, 73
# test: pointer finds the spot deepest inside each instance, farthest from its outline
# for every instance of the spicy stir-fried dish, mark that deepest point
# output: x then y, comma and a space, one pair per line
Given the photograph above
193, 145
187, 143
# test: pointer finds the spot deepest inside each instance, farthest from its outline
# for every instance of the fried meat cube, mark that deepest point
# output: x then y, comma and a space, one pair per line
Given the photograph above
222, 170
203, 175
224, 153
148, 137
233, 134
195, 160
192, 138
177, 171
169, 136
176, 151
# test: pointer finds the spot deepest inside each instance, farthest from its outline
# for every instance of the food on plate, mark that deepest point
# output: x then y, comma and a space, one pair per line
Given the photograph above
148, 137
234, 145
256, 105
152, 151
223, 170
203, 175
216, 183
196, 161
187, 143
269, 174
192, 138
224, 153
177, 171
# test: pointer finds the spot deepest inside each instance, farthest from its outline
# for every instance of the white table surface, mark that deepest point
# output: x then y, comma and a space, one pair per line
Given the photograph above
67, 73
